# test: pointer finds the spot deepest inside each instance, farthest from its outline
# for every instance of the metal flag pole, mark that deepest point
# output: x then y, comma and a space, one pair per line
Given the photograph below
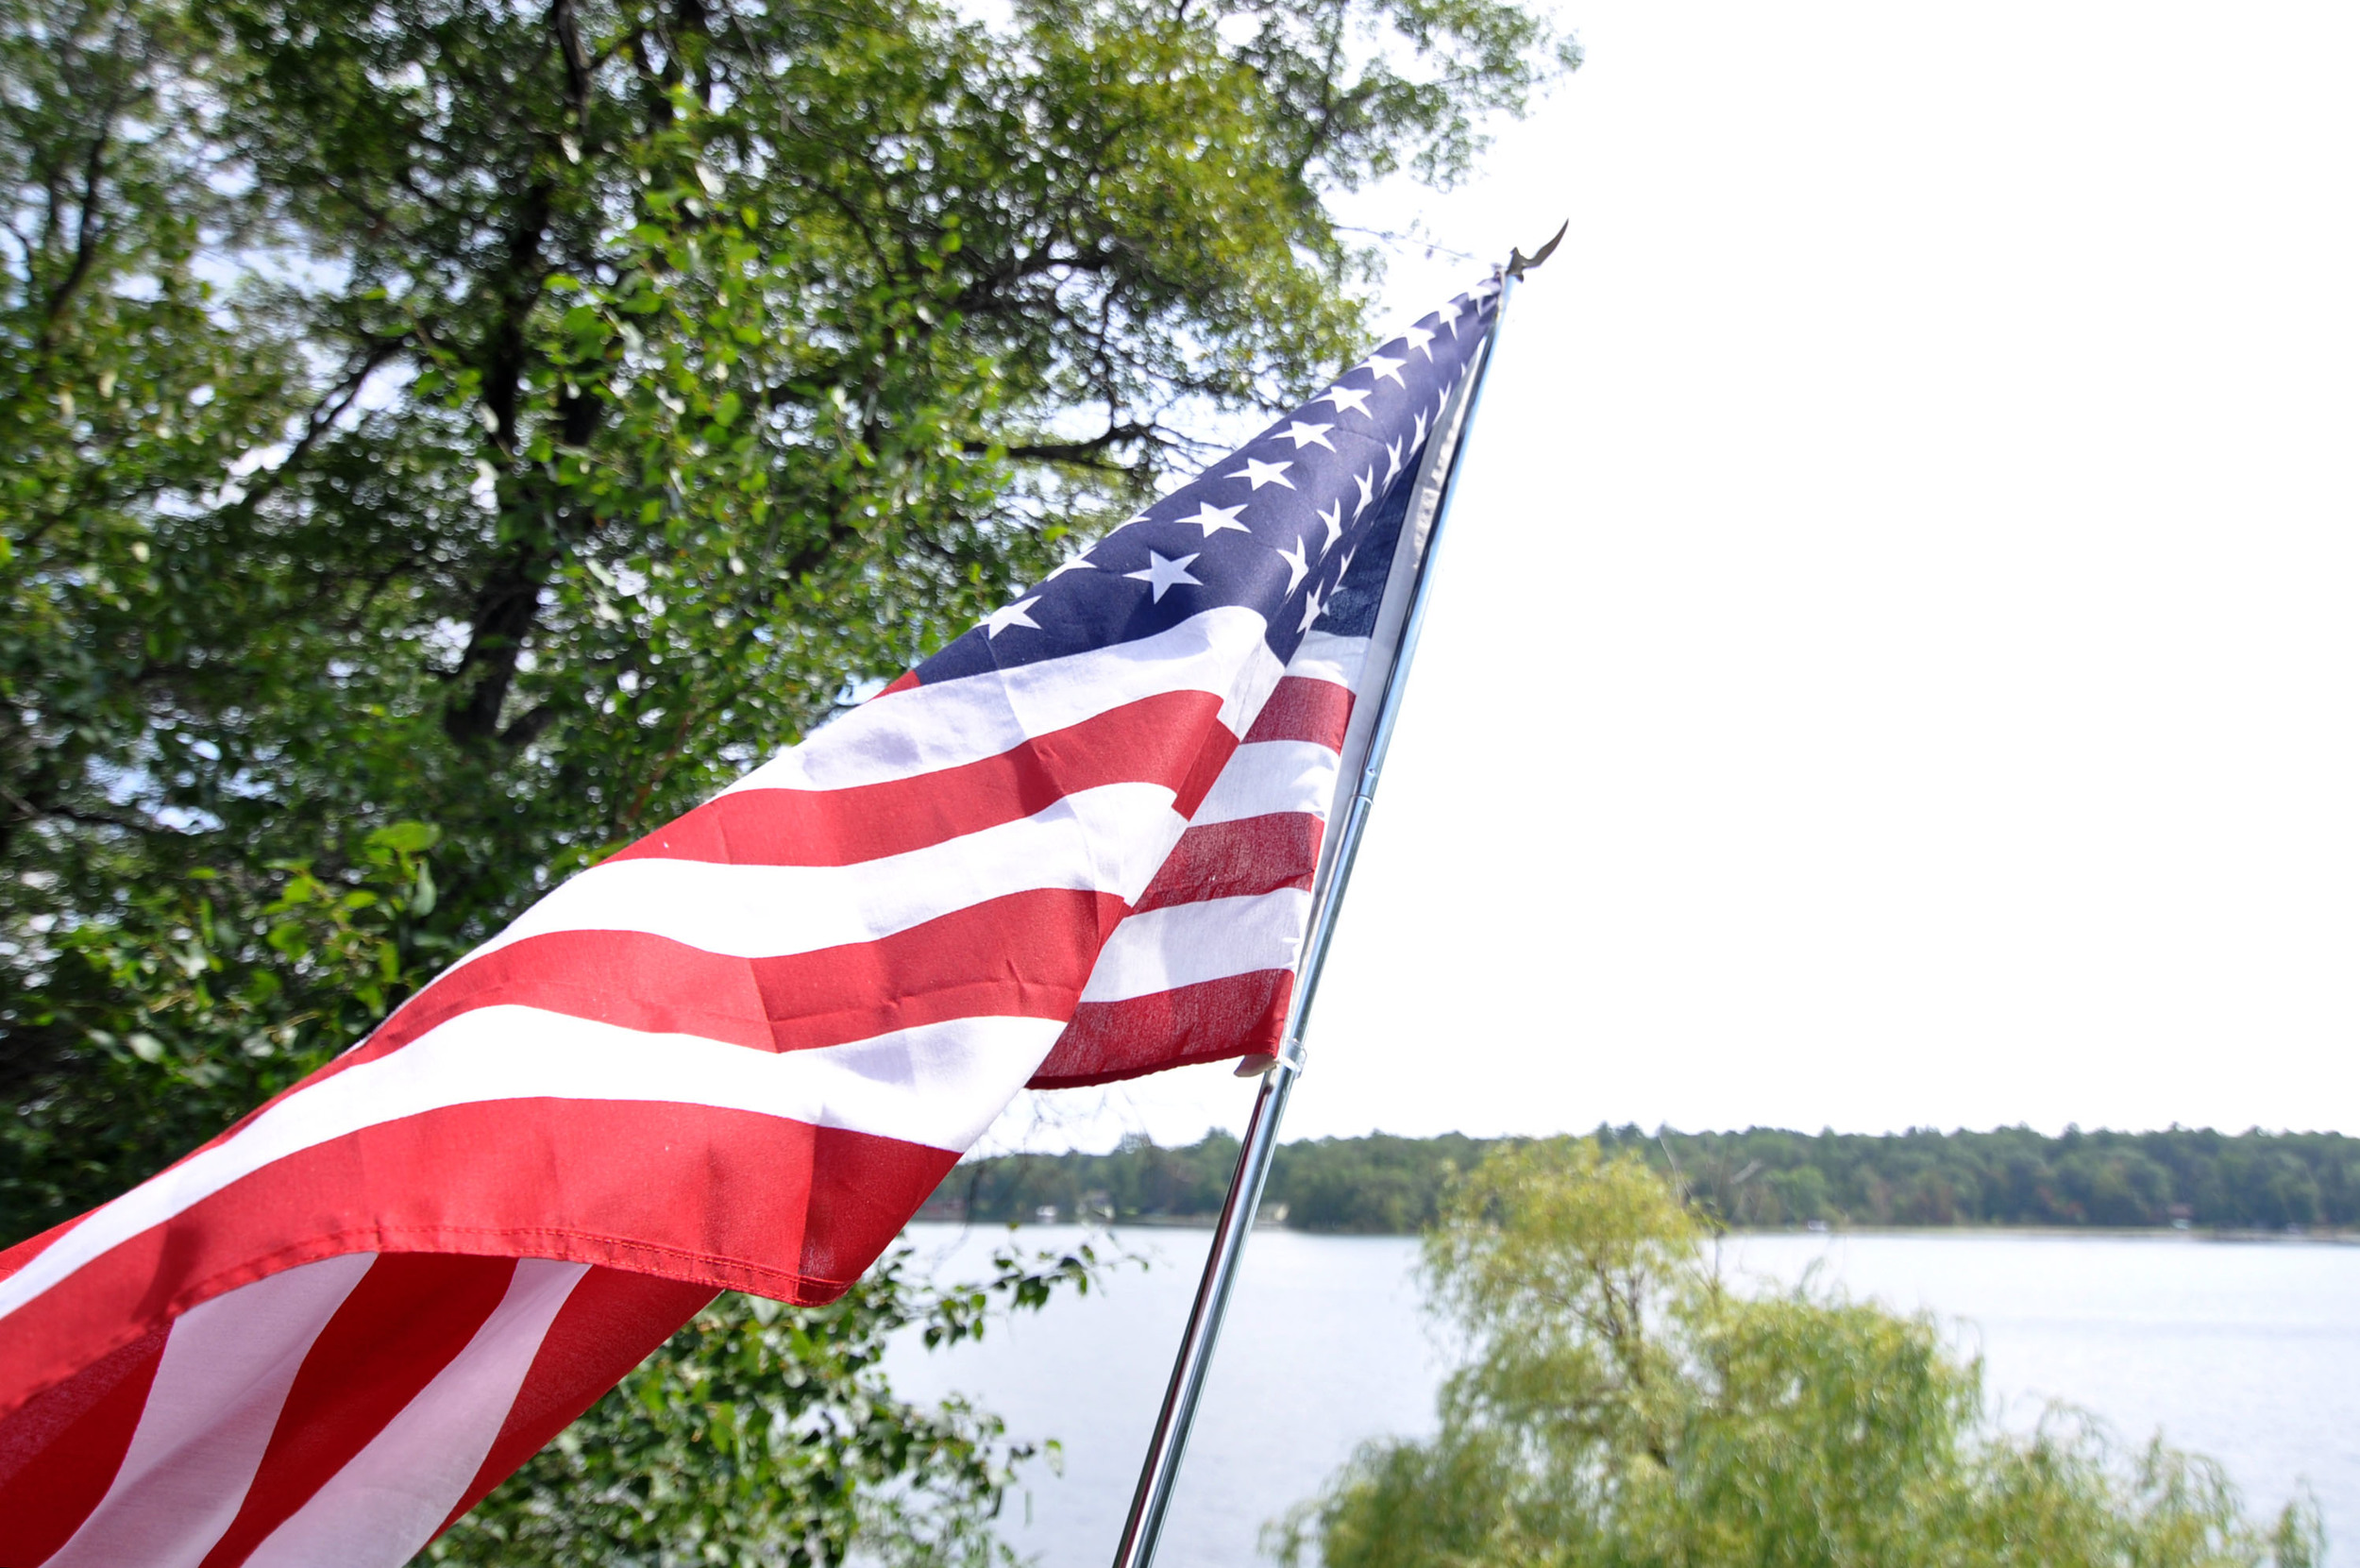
1161, 1468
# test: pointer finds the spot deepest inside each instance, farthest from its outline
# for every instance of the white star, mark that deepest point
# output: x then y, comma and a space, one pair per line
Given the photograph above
1212, 519
1417, 438
1393, 459
1355, 398
1304, 435
1368, 493
1072, 563
1334, 518
1385, 368
1263, 473
1297, 564
1419, 337
1311, 608
1011, 614
1344, 566
1161, 574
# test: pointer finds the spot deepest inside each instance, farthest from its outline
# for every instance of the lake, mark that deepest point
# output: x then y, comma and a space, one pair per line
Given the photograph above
2249, 1352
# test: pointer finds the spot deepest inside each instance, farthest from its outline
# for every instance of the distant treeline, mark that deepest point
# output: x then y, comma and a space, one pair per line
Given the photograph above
1762, 1177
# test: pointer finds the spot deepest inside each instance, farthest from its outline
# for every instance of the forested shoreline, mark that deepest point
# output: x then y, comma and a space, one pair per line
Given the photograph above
1759, 1178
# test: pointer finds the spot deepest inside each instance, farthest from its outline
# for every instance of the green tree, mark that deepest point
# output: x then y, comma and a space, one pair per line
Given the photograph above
1802, 1194
442, 439
1621, 1404
1762, 1176
516, 420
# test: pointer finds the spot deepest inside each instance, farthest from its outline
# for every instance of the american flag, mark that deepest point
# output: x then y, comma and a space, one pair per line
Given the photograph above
1077, 845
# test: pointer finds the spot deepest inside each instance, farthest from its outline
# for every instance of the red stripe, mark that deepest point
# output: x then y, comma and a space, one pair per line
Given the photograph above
729, 1199
627, 978
59, 1452
401, 1325
1216, 1022
1164, 739
1301, 708
1025, 955
1228, 860
1220, 744
33, 1246
863, 1190
610, 1322
902, 681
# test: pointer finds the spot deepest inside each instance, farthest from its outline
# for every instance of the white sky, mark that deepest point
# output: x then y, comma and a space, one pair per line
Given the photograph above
1896, 658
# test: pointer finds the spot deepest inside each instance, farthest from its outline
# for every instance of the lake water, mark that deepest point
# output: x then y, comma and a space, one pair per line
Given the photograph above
2248, 1352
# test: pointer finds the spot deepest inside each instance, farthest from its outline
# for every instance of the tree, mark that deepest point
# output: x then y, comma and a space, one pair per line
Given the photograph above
1622, 1404
445, 438
496, 424
1758, 1177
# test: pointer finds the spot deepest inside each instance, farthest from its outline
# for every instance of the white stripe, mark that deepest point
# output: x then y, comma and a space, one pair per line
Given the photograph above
938, 1084
1271, 776
1158, 950
210, 1413
1325, 656
922, 729
389, 1498
1109, 839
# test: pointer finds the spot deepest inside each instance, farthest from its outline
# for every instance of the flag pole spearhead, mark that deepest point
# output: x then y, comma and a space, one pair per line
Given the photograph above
1519, 263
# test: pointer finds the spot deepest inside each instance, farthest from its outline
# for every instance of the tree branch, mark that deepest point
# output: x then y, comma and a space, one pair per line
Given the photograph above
1087, 453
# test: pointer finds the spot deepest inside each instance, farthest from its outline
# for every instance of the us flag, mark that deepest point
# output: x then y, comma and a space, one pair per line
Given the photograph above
1077, 845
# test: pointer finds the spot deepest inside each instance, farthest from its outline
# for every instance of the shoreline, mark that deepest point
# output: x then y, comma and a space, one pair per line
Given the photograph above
2120, 1233
2337, 1237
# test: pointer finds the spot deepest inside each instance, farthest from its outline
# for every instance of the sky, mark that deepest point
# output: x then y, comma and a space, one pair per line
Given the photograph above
1896, 656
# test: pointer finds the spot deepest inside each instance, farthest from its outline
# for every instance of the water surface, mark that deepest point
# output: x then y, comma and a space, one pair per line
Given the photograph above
2246, 1352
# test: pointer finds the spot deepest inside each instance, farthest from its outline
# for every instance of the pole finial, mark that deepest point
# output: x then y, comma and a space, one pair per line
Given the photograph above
1519, 263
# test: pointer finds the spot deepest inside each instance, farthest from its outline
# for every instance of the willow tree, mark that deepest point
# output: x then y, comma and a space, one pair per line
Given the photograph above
447, 437
1622, 1404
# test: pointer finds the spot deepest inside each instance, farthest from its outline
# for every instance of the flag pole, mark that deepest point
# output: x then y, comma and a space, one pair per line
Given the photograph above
1161, 1468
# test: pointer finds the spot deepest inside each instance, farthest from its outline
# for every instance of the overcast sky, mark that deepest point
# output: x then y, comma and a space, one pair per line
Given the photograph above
1896, 660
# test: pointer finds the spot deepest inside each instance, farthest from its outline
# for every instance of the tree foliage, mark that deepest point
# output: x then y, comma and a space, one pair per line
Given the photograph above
2012, 1175
442, 439
513, 419
1760, 1177
1620, 1403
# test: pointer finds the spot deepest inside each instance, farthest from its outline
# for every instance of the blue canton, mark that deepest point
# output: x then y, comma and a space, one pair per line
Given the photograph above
1298, 525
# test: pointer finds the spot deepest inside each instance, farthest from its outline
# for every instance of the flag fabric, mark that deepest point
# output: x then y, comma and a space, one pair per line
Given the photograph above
1077, 845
